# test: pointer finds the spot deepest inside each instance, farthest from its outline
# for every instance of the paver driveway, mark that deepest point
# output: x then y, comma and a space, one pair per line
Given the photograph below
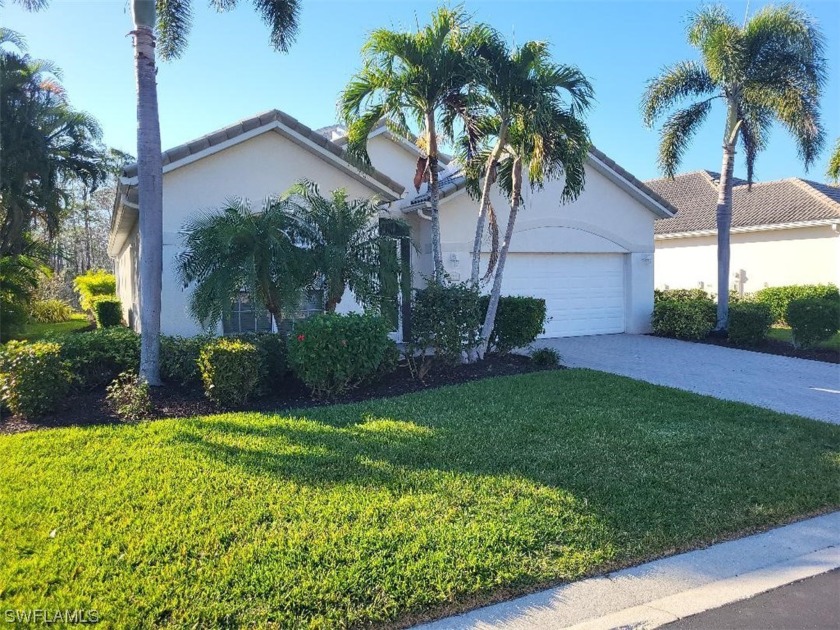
807, 388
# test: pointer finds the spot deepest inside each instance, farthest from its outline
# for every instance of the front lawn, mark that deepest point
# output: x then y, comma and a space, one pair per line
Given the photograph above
392, 509
36, 331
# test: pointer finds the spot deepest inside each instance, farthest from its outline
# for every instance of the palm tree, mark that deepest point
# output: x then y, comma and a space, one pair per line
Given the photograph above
238, 249
410, 78
343, 243
770, 69
166, 24
538, 119
833, 171
506, 83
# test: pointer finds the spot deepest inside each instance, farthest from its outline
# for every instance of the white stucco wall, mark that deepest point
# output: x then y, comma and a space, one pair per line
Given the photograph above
604, 219
259, 167
808, 255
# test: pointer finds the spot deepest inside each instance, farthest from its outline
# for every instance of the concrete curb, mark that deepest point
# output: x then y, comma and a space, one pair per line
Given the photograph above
663, 591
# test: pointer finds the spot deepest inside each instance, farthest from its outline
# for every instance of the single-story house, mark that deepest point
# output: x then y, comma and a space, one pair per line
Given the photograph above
783, 232
591, 260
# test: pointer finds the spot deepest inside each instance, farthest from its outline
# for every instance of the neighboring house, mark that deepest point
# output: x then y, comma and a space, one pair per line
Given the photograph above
783, 232
591, 260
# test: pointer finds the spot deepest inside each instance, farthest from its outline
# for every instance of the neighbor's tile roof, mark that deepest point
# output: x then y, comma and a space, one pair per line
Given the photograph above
232, 131
770, 203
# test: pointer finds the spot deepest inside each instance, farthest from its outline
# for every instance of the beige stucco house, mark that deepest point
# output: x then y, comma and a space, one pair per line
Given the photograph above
591, 260
783, 232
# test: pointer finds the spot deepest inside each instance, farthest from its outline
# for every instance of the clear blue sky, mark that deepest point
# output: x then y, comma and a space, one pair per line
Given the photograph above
230, 71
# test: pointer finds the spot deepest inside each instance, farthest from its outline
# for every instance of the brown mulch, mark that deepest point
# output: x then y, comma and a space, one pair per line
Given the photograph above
773, 346
90, 408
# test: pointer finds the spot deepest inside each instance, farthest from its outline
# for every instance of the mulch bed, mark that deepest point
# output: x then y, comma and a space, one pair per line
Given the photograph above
90, 408
773, 346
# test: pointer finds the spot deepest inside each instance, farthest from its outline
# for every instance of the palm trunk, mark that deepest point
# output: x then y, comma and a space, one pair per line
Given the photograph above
150, 188
496, 293
434, 197
485, 201
724, 221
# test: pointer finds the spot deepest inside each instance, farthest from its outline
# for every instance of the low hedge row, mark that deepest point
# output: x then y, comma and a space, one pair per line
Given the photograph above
813, 320
779, 298
683, 313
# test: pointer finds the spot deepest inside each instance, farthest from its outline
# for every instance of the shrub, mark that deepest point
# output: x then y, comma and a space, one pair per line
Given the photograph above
179, 360
50, 311
230, 371
545, 358
680, 294
34, 378
128, 396
812, 320
749, 323
107, 311
519, 321
97, 357
271, 348
94, 282
331, 353
684, 316
12, 318
778, 298
446, 319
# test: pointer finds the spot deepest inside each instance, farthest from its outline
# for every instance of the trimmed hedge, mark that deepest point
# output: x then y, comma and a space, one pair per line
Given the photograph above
812, 320
519, 321
33, 378
107, 311
447, 319
97, 357
179, 360
230, 371
684, 314
778, 298
271, 348
749, 323
94, 282
331, 353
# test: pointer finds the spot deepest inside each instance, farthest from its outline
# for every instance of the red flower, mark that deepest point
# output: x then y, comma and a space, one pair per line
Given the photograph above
301, 337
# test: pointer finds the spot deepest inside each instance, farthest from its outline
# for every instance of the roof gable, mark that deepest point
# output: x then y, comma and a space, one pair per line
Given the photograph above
786, 201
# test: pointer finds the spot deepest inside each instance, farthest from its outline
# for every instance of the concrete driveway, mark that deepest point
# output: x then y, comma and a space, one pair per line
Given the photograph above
798, 386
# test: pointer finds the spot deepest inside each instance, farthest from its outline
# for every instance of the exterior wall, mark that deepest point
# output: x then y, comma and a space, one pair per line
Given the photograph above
392, 159
128, 278
808, 255
255, 169
604, 219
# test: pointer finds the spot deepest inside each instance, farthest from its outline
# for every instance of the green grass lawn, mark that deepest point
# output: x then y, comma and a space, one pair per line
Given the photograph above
784, 334
392, 509
36, 331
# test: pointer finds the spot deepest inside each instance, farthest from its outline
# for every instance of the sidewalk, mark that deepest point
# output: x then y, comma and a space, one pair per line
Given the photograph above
666, 590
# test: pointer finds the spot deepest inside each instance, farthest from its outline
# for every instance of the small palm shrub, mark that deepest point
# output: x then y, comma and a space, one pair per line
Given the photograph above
332, 353
107, 311
778, 298
683, 314
50, 311
545, 358
128, 397
230, 371
447, 319
33, 378
519, 321
97, 357
94, 282
749, 323
812, 320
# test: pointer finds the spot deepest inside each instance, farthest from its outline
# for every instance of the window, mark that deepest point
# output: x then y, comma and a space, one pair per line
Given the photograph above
246, 316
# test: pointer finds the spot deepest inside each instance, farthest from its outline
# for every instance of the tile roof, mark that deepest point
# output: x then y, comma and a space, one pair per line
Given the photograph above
232, 131
790, 200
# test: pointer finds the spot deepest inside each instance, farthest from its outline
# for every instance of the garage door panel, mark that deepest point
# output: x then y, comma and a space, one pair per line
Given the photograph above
584, 293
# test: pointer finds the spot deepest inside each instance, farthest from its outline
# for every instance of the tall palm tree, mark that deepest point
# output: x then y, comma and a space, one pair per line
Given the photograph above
238, 248
510, 82
165, 24
410, 78
833, 171
770, 69
343, 243
543, 138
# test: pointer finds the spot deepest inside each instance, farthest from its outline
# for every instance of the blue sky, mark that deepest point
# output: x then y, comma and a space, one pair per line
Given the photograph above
230, 72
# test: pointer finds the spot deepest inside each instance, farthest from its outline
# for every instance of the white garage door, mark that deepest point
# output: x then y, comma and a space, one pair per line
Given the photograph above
583, 293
